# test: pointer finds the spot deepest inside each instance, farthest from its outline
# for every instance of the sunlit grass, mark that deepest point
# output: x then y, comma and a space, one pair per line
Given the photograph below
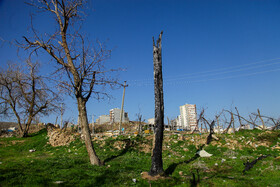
69, 165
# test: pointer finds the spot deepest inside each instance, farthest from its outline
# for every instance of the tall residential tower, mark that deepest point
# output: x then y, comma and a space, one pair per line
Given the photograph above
188, 116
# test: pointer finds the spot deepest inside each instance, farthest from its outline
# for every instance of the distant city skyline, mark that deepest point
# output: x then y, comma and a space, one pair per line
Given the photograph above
216, 54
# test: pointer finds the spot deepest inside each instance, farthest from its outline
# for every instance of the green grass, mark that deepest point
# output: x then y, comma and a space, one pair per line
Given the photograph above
70, 164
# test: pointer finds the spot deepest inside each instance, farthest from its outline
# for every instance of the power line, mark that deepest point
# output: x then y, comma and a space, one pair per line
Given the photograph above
227, 68
205, 80
211, 72
171, 80
225, 72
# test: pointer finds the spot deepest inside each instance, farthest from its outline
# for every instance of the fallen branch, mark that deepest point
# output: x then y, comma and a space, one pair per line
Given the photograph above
249, 165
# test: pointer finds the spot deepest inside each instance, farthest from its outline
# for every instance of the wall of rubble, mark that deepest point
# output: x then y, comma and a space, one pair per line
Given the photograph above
61, 137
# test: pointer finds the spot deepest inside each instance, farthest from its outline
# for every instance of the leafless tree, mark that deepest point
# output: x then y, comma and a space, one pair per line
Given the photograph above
239, 118
199, 119
270, 121
231, 123
80, 61
218, 120
26, 94
140, 121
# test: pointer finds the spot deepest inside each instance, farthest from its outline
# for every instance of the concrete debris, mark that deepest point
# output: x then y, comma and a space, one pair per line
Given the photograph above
58, 182
203, 153
145, 175
200, 165
230, 131
215, 137
59, 137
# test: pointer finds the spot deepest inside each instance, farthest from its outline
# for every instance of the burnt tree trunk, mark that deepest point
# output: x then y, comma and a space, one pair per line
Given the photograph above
94, 160
157, 166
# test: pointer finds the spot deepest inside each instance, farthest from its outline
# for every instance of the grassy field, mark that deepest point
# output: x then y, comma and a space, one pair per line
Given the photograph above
127, 157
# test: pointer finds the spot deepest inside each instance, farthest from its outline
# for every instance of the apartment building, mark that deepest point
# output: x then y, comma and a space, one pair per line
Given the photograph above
188, 117
115, 116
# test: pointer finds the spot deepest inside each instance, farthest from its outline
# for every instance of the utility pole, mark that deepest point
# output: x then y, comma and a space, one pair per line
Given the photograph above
124, 86
61, 112
92, 124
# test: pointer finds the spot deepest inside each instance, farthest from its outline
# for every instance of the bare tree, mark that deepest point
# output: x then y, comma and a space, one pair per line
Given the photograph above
239, 118
200, 117
259, 115
26, 94
140, 121
81, 61
231, 123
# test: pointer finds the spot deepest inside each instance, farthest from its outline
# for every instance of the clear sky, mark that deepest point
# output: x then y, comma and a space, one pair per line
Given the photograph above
216, 54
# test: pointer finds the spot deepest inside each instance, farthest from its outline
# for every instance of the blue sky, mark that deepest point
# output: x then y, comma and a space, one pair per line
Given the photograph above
216, 54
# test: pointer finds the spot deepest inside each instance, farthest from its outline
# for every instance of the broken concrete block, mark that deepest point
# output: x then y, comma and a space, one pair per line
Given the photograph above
203, 153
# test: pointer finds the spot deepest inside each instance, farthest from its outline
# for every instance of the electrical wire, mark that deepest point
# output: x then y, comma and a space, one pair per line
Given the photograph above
185, 78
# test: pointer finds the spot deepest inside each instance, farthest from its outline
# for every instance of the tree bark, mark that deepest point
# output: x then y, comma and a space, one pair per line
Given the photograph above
263, 125
157, 166
94, 160
26, 128
240, 121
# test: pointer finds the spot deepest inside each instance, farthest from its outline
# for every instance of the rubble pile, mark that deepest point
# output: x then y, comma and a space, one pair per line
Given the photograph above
119, 145
60, 137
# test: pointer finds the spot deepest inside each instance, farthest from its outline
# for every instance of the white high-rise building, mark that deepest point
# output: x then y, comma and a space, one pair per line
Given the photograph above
188, 116
179, 124
115, 116
103, 119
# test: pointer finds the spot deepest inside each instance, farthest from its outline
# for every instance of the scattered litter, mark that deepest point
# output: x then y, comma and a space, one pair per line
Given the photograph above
216, 164
181, 173
223, 160
58, 182
32, 150
203, 153
134, 180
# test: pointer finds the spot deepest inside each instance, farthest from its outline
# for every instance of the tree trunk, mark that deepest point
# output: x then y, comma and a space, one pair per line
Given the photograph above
26, 129
157, 166
263, 125
240, 121
94, 160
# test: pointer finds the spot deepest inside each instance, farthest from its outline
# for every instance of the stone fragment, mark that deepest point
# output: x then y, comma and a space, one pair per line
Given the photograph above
203, 153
